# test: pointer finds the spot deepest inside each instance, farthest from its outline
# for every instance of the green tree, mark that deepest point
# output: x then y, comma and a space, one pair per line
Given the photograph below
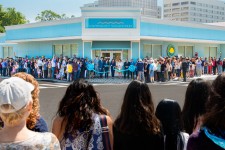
48, 15
10, 16
1, 19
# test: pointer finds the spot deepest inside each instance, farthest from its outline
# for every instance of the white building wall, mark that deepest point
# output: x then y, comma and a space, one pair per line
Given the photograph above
148, 7
201, 11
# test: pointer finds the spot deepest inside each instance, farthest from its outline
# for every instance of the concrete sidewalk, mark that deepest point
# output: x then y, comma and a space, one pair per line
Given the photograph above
117, 80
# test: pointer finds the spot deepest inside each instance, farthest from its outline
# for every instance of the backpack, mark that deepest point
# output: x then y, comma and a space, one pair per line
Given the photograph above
70, 68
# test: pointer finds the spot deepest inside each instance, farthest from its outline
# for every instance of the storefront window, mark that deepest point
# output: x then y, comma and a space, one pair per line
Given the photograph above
213, 51
210, 52
57, 50
7, 52
125, 55
67, 50
206, 52
181, 51
189, 51
96, 53
147, 50
74, 49
157, 51
185, 51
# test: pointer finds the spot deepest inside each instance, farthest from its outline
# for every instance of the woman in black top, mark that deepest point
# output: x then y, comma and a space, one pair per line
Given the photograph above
137, 127
223, 65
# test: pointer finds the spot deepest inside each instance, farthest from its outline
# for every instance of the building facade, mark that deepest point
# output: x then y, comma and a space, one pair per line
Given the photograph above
200, 11
119, 33
149, 7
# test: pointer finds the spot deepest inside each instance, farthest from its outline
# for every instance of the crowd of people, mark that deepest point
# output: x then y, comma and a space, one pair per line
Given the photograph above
81, 121
146, 69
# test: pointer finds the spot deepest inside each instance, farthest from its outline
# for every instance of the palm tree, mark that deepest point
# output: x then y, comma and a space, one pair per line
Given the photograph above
12, 17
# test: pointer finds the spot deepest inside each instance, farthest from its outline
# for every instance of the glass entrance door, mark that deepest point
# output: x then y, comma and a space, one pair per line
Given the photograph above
106, 55
112, 55
117, 55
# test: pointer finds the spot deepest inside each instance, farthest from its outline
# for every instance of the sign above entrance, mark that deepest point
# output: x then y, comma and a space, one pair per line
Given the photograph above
110, 23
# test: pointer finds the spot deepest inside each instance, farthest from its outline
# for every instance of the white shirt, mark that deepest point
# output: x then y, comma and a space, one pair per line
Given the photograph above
53, 62
39, 62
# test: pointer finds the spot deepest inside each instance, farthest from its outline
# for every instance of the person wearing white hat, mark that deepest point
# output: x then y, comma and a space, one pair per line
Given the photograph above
15, 107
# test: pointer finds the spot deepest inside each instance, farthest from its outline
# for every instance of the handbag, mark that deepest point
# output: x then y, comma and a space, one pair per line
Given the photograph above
105, 133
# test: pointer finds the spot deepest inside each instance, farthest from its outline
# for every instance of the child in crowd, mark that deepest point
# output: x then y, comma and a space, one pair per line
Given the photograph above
15, 106
61, 73
39, 72
13, 70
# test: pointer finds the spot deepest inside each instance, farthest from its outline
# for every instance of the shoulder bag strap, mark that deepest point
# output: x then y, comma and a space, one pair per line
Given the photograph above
105, 133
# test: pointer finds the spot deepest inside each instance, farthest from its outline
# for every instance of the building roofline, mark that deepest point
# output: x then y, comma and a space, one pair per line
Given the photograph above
181, 23
109, 9
44, 39
44, 23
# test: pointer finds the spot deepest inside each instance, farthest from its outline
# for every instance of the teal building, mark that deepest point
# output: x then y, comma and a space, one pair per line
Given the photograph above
113, 33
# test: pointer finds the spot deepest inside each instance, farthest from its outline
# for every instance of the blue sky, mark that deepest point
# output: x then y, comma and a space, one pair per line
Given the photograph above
31, 8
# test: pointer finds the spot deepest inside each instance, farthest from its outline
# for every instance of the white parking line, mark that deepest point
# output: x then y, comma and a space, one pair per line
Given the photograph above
52, 85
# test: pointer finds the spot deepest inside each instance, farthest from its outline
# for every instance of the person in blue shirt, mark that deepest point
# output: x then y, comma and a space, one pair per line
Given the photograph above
140, 70
151, 71
4, 66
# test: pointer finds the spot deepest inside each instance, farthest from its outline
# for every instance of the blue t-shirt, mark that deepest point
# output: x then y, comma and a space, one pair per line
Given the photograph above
151, 67
41, 125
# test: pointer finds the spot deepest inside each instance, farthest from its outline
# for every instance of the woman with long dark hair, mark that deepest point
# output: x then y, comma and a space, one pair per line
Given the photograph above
211, 135
194, 104
169, 113
78, 121
137, 127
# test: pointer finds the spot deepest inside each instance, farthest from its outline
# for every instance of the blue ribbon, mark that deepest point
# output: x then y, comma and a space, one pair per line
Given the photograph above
91, 67
218, 141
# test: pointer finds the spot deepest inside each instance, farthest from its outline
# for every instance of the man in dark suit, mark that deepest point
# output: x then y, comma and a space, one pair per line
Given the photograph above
184, 67
126, 66
100, 67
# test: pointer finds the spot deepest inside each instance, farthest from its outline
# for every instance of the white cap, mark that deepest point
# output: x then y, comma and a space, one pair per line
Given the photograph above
16, 92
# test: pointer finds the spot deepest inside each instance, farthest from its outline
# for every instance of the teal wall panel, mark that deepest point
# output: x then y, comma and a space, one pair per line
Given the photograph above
222, 48
87, 50
2, 39
54, 31
135, 51
1, 51
110, 45
33, 49
173, 31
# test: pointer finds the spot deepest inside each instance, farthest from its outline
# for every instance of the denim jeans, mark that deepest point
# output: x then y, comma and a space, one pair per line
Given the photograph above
53, 72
